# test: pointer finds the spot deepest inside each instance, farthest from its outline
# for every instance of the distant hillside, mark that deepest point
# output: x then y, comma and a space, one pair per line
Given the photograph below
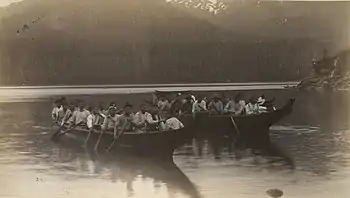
56, 42
338, 77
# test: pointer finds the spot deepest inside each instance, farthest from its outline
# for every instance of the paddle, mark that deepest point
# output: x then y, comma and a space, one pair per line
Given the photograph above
116, 138
64, 120
70, 129
101, 134
99, 139
88, 136
235, 126
92, 127
57, 131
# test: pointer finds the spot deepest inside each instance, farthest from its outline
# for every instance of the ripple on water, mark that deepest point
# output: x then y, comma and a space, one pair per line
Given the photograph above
41, 127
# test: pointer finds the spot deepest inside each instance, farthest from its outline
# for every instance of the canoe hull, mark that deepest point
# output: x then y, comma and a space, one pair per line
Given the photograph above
159, 145
254, 128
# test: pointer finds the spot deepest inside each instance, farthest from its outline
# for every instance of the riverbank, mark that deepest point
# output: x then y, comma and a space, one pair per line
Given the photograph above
334, 83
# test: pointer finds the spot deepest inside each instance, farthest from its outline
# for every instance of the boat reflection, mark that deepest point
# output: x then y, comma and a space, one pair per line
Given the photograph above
128, 169
226, 148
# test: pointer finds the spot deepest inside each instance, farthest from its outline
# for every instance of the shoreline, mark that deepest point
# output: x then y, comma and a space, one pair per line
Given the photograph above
287, 83
12, 94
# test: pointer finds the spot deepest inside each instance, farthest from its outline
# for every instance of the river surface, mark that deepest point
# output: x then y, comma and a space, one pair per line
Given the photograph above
313, 142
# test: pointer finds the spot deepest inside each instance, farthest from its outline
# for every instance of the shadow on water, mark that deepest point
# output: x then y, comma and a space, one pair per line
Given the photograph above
224, 148
313, 141
127, 169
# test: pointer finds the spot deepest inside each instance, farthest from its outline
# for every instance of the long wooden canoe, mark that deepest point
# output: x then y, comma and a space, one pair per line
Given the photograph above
153, 144
251, 129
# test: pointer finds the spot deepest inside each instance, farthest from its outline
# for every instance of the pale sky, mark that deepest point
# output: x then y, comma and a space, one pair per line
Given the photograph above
7, 2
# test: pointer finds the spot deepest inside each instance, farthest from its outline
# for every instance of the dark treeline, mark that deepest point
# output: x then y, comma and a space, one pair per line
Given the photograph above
156, 63
123, 42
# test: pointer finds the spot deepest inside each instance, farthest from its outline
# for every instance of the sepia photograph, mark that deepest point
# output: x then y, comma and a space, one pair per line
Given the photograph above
174, 99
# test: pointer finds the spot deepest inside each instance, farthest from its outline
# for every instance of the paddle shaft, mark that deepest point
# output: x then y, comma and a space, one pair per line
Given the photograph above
99, 139
70, 129
116, 138
235, 125
56, 132
88, 136
60, 128
100, 136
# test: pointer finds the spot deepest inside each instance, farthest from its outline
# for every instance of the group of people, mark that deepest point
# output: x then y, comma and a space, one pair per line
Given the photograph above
153, 117
217, 105
112, 119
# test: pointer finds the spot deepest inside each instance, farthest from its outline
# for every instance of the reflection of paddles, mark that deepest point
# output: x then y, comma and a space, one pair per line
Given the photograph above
236, 128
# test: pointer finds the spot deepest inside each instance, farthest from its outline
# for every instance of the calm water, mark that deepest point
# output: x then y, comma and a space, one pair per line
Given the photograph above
313, 142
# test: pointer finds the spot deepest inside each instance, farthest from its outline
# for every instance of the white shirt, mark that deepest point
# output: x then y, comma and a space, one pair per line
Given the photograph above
55, 112
193, 98
240, 106
93, 120
141, 118
198, 107
90, 121
173, 124
261, 101
66, 116
80, 116
230, 107
110, 122
251, 108
262, 109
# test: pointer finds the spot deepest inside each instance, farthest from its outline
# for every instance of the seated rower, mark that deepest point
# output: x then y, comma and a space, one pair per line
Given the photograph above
101, 109
156, 122
252, 107
261, 100
94, 120
175, 106
79, 117
193, 98
63, 100
163, 104
262, 109
112, 105
216, 106
240, 105
172, 123
141, 118
68, 112
230, 107
266, 105
110, 122
56, 111
125, 122
199, 106
187, 105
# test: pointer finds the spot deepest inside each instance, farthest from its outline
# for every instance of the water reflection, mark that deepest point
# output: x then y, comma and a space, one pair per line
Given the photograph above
308, 157
127, 170
224, 149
